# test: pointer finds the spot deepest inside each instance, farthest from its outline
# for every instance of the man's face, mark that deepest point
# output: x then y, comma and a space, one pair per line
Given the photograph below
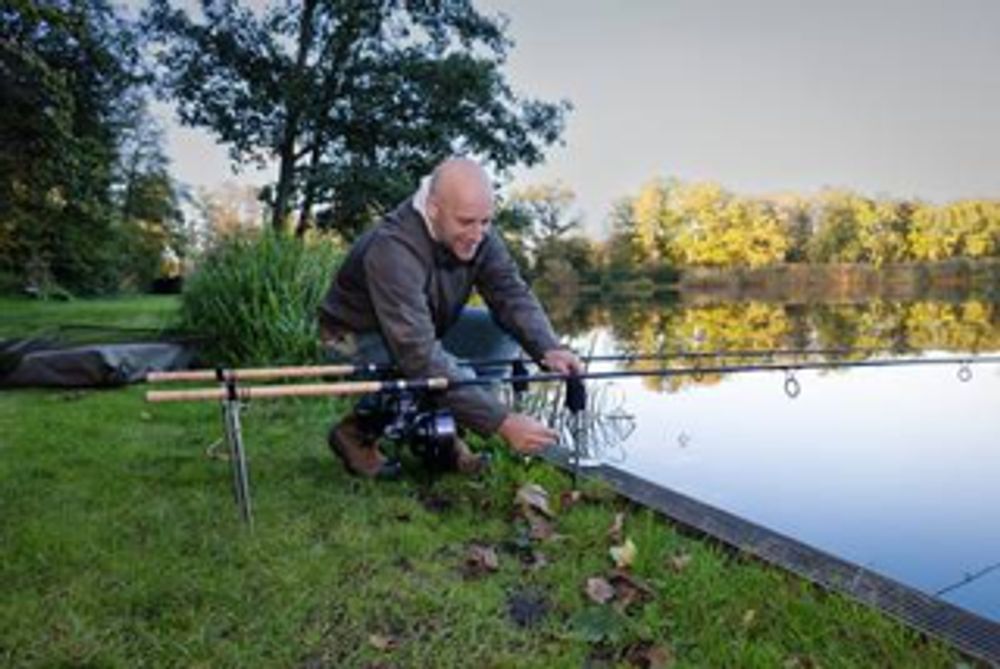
461, 220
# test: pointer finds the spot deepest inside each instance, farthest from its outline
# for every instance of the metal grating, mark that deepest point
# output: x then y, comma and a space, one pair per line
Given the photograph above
972, 634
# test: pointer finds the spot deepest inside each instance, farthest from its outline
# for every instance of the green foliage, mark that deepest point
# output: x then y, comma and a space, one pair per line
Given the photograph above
70, 79
357, 100
253, 299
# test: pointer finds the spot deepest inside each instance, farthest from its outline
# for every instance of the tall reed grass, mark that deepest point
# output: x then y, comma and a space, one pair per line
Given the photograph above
253, 299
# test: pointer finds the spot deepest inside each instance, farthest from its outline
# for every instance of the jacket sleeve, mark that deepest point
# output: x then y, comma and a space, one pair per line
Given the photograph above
511, 301
396, 279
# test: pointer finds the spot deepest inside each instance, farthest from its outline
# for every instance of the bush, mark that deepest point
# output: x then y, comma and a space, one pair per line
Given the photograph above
254, 300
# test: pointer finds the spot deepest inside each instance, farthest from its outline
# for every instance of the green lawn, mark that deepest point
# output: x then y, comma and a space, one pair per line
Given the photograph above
121, 546
84, 318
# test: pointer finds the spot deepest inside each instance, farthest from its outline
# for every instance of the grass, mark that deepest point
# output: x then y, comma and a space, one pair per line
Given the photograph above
77, 319
121, 547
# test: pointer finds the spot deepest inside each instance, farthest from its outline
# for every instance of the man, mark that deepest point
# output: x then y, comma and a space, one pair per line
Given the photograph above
403, 286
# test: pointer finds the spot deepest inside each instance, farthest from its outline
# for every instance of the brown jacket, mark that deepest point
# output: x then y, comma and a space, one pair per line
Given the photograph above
399, 281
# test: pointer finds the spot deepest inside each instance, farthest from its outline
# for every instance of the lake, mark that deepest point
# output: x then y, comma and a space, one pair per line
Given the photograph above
893, 468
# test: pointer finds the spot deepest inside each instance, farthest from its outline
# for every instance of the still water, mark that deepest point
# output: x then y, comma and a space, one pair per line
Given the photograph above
892, 468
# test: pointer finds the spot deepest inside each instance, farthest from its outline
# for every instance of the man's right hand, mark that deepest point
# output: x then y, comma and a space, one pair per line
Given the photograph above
525, 434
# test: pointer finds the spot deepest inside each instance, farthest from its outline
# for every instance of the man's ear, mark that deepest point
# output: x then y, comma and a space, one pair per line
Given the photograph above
433, 210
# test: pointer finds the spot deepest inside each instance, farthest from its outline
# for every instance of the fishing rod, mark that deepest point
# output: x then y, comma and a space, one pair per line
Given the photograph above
443, 383
305, 371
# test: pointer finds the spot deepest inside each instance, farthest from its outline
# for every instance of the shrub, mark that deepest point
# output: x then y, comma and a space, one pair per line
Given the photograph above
253, 299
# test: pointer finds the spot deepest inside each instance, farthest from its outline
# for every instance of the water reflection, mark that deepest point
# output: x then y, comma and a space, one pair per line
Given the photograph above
891, 468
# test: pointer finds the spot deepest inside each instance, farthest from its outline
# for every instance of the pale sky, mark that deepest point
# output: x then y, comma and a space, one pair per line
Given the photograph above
894, 97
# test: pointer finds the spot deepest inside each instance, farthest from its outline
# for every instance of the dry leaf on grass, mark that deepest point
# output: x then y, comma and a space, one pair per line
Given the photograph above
533, 497
650, 656
541, 529
569, 498
383, 642
623, 555
599, 590
615, 531
481, 559
628, 589
680, 561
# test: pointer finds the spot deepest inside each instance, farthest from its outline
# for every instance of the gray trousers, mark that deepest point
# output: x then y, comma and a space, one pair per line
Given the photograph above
475, 336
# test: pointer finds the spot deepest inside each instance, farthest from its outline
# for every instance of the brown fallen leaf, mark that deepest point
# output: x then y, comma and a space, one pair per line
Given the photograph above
541, 529
599, 590
620, 577
480, 559
650, 656
628, 590
532, 496
569, 498
383, 642
623, 555
617, 526
680, 561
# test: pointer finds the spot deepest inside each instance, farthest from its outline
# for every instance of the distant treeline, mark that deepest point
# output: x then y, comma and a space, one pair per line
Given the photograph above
703, 224
701, 234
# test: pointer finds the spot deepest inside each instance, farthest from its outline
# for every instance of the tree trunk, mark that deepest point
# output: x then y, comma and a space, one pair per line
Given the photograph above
286, 150
309, 192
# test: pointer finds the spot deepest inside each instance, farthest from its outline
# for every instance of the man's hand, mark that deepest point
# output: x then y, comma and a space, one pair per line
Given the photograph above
562, 361
525, 434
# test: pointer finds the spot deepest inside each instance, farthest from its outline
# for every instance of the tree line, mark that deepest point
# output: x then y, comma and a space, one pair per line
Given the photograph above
703, 224
352, 100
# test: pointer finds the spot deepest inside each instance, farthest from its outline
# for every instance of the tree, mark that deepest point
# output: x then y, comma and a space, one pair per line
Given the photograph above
69, 76
355, 99
655, 222
542, 214
835, 233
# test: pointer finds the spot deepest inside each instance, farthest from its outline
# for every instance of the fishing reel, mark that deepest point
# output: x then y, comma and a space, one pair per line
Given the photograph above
412, 418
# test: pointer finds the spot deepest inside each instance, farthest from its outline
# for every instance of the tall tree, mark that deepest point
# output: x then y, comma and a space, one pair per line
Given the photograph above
354, 99
69, 70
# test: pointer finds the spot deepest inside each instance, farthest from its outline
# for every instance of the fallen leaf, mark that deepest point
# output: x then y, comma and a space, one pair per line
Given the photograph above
569, 498
680, 561
599, 590
527, 607
383, 642
628, 590
145, 415
541, 529
481, 559
748, 617
532, 496
650, 656
615, 531
623, 555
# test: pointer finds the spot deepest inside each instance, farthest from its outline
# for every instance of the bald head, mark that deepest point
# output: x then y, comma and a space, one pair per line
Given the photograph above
460, 205
460, 178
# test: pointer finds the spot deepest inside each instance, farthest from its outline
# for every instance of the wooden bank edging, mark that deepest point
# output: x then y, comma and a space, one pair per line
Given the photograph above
971, 633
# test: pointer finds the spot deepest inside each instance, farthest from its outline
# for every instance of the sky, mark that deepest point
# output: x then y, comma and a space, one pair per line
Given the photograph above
888, 97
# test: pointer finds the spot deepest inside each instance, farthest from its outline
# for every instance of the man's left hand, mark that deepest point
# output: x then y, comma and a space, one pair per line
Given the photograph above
562, 361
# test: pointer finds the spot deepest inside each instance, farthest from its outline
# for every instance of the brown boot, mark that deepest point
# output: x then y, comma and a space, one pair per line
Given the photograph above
467, 462
359, 452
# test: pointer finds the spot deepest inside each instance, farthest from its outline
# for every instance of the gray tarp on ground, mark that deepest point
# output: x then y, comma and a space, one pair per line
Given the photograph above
95, 365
